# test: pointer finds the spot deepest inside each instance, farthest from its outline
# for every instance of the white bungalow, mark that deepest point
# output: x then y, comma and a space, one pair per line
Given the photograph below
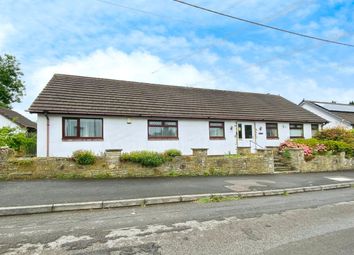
76, 112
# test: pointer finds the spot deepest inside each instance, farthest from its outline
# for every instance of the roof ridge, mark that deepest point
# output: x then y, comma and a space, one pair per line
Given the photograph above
323, 102
164, 85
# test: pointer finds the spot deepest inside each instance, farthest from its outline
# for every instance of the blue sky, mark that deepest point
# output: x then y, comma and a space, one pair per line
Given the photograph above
165, 42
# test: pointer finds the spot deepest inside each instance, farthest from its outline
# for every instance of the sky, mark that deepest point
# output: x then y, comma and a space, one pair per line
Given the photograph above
164, 42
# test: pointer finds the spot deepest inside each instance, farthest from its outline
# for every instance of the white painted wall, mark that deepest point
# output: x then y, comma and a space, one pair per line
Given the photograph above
283, 133
332, 120
131, 137
5, 122
118, 134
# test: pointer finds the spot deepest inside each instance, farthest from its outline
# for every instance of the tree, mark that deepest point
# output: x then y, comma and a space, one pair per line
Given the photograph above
351, 102
12, 88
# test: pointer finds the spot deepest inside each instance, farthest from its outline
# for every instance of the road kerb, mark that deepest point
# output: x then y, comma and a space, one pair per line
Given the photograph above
123, 203
294, 190
77, 206
312, 188
274, 192
226, 194
245, 194
162, 200
190, 198
32, 209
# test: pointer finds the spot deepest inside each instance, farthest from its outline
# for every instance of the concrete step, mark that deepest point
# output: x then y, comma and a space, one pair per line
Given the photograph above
282, 169
281, 164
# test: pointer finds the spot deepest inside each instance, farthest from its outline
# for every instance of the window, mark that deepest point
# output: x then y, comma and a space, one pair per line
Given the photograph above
239, 130
162, 129
314, 129
245, 131
248, 131
272, 130
296, 130
82, 128
216, 130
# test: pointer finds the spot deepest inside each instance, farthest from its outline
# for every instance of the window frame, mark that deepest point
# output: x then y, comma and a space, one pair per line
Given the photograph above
277, 127
302, 128
223, 130
78, 137
252, 131
162, 125
312, 129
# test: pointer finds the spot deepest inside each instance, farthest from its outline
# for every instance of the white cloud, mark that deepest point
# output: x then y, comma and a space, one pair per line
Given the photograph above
6, 30
115, 64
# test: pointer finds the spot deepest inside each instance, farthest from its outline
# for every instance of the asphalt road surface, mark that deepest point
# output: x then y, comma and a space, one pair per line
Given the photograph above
305, 223
15, 193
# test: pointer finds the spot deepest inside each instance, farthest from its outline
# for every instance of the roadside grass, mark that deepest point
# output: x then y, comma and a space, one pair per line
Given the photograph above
213, 199
285, 194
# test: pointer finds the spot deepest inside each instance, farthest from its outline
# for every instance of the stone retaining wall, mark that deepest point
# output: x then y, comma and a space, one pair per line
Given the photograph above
320, 163
110, 166
196, 165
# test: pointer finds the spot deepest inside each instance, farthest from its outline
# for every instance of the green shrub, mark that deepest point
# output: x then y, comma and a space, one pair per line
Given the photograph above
286, 154
334, 146
336, 134
22, 142
338, 146
173, 153
145, 158
83, 157
312, 142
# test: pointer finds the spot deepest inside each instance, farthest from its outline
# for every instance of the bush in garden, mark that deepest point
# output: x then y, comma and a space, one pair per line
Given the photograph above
84, 157
291, 144
320, 148
336, 134
338, 146
145, 158
173, 153
20, 141
311, 142
316, 145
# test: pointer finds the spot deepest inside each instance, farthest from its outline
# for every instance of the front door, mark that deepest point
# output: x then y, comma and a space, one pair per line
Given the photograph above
245, 134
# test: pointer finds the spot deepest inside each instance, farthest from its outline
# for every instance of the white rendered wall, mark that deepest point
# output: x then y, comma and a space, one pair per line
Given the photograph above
283, 134
118, 134
131, 137
332, 121
5, 122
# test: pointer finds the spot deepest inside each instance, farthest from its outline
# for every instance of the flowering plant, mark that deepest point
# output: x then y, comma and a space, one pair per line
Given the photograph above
290, 144
320, 148
308, 152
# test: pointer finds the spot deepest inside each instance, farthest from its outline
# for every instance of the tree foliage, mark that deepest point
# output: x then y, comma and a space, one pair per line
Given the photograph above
12, 87
22, 142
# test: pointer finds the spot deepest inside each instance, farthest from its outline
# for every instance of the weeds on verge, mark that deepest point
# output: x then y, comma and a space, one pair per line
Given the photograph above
212, 199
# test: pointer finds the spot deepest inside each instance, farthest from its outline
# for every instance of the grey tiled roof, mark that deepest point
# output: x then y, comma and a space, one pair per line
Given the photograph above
68, 94
17, 118
342, 111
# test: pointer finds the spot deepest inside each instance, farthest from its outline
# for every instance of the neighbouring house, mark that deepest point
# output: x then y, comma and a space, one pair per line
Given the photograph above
76, 112
10, 118
337, 115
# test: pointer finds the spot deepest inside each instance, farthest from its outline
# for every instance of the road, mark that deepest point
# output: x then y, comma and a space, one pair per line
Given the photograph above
305, 223
16, 193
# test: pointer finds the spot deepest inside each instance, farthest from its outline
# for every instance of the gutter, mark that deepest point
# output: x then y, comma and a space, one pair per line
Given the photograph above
47, 138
